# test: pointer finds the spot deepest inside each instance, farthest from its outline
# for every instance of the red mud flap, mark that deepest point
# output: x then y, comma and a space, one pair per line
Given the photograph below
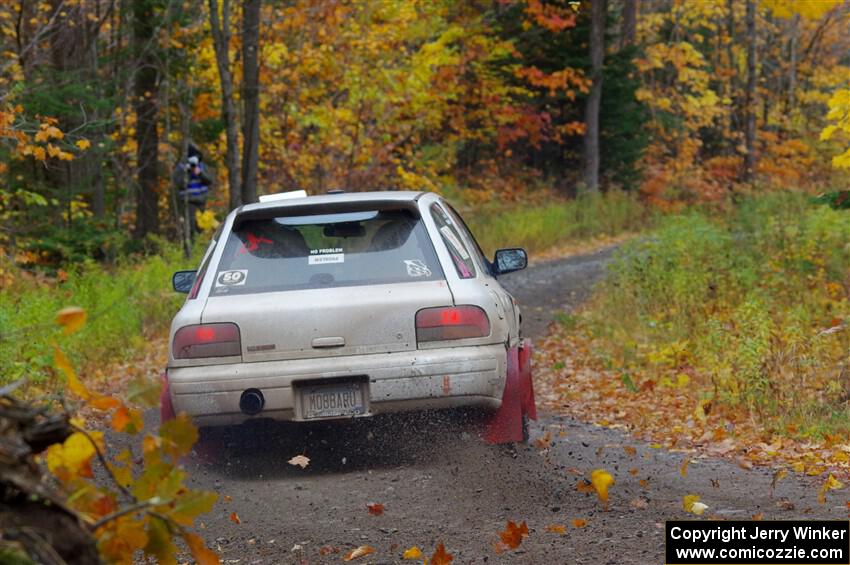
166, 408
505, 426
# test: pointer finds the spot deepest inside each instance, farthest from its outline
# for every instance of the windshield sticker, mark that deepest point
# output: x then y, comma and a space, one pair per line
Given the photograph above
454, 241
253, 243
231, 278
417, 268
325, 259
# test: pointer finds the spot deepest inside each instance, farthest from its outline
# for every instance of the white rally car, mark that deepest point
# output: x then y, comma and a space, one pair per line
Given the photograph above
347, 305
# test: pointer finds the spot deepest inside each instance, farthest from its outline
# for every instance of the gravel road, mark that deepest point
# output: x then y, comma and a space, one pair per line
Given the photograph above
439, 483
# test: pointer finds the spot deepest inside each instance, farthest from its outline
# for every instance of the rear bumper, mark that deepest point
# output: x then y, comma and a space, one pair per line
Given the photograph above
397, 382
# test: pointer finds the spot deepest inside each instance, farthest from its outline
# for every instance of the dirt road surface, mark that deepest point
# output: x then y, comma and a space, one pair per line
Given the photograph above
439, 482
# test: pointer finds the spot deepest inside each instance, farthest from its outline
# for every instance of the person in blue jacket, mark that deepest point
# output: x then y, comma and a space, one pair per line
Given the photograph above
193, 189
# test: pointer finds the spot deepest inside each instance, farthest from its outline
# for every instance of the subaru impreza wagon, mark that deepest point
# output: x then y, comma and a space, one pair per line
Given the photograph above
345, 305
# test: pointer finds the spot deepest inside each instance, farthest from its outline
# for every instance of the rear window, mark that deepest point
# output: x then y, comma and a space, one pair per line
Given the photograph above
325, 251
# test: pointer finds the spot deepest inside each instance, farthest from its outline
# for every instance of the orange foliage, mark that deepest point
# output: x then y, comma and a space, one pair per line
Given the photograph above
155, 484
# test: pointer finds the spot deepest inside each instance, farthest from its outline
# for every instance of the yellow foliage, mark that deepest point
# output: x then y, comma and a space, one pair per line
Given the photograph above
206, 220
73, 457
831, 483
809, 9
602, 481
692, 504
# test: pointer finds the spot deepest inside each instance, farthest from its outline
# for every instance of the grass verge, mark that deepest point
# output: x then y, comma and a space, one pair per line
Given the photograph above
732, 329
541, 226
126, 304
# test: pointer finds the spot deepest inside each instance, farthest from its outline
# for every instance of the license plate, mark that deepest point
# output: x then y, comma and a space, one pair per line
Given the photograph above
332, 400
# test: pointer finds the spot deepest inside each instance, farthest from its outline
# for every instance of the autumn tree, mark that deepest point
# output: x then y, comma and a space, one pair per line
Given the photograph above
220, 26
250, 98
598, 11
750, 95
628, 26
145, 104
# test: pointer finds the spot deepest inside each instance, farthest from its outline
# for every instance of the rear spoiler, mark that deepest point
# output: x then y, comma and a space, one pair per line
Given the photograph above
306, 208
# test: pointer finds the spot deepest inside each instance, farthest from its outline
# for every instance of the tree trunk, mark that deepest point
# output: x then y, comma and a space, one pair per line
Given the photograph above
145, 88
750, 126
591, 112
792, 71
734, 122
250, 98
220, 27
629, 25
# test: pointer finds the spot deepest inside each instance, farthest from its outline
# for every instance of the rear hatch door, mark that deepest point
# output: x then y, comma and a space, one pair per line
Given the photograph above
319, 285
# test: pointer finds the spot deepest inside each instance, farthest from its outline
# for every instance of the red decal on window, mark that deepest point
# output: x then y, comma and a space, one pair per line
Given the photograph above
253, 243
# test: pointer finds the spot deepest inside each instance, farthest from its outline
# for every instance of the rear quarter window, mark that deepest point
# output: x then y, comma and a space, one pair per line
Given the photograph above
449, 233
326, 251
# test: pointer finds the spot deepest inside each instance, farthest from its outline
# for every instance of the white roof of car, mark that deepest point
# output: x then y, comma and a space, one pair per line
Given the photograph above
336, 198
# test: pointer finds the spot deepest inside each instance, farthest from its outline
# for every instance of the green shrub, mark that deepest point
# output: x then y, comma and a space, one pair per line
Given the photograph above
745, 301
126, 303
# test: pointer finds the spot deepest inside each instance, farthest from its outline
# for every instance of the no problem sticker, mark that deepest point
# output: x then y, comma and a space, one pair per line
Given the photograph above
325, 256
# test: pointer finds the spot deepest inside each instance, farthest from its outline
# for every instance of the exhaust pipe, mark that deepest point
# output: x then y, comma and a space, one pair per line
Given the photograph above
251, 402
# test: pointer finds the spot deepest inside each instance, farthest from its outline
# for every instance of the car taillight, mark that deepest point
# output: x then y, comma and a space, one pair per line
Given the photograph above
207, 340
457, 322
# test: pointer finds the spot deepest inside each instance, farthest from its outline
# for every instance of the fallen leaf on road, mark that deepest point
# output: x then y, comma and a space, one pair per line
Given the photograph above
513, 534
745, 464
441, 556
785, 504
633, 471
639, 503
630, 451
777, 476
328, 549
758, 517
299, 460
227, 498
691, 503
683, 470
375, 508
234, 517
579, 523
831, 483
412, 553
544, 442
584, 486
358, 552
557, 529
644, 483
602, 481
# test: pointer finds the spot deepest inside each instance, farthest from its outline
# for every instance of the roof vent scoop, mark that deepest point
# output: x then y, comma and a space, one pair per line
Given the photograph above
336, 191
283, 195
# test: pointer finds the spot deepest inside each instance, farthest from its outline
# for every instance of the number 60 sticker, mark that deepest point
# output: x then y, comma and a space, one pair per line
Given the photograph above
231, 278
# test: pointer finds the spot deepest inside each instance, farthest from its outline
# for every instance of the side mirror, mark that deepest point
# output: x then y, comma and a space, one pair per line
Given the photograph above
182, 281
510, 260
